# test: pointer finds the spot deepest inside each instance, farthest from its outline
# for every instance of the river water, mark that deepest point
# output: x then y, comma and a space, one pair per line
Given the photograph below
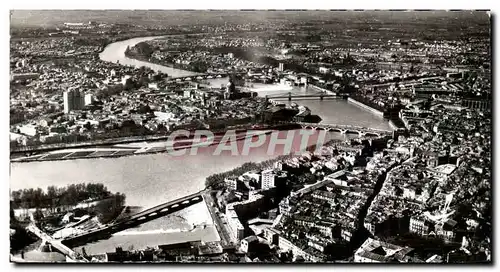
152, 179
148, 180
115, 52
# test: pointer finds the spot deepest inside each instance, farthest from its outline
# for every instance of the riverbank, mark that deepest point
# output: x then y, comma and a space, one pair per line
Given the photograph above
134, 139
122, 151
191, 224
165, 64
366, 107
151, 239
322, 89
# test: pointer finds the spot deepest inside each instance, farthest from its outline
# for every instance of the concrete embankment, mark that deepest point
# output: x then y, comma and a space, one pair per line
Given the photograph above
142, 148
322, 89
366, 107
392, 125
126, 140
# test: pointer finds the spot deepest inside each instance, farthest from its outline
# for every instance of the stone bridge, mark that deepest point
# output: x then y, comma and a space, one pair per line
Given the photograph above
204, 76
347, 129
291, 97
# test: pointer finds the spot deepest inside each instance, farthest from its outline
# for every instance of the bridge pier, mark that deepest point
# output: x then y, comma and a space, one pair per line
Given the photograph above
343, 129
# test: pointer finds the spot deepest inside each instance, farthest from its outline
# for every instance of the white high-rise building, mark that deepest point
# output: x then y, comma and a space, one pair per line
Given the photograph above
73, 100
89, 98
281, 67
267, 179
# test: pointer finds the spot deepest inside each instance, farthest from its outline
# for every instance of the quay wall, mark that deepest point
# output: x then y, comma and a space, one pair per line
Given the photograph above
322, 90
131, 139
392, 125
364, 106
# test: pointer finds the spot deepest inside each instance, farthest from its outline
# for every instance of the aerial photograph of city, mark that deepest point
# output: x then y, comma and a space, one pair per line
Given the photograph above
250, 136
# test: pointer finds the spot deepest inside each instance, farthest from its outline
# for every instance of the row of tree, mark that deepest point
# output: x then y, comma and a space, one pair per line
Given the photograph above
216, 180
59, 196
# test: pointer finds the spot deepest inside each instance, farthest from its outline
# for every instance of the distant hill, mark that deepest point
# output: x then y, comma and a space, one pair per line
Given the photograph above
46, 18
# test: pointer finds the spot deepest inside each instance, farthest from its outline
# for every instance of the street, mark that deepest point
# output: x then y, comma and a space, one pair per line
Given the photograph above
218, 221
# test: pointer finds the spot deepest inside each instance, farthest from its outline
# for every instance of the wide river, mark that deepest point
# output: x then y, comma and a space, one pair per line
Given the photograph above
152, 179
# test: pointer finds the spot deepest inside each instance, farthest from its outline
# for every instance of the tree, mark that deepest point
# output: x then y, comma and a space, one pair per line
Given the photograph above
38, 215
52, 196
143, 109
16, 198
307, 178
13, 219
87, 126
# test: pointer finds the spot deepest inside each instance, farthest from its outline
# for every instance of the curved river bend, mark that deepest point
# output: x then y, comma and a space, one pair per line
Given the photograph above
148, 180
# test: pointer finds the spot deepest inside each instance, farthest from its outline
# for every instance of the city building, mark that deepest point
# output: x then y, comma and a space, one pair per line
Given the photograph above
281, 67
28, 129
236, 229
420, 225
267, 179
73, 100
248, 244
231, 183
89, 98
375, 251
24, 76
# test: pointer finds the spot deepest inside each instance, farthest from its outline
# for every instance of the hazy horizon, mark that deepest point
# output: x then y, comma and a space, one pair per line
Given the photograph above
49, 18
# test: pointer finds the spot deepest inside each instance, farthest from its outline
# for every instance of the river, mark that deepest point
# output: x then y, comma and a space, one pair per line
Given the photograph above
148, 180
115, 52
152, 179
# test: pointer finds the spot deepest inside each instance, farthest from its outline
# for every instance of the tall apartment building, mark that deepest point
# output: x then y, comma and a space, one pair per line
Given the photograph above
267, 179
89, 98
73, 100
281, 67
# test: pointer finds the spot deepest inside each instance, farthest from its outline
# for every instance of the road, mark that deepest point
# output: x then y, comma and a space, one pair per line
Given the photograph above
56, 243
218, 221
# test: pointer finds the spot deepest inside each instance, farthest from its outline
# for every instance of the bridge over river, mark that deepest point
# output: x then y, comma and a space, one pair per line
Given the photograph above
290, 97
204, 76
134, 220
361, 131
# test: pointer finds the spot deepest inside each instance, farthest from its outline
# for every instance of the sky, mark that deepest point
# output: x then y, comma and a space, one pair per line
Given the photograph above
48, 18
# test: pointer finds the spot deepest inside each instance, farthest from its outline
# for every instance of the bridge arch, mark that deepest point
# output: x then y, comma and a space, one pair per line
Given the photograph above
352, 131
372, 134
